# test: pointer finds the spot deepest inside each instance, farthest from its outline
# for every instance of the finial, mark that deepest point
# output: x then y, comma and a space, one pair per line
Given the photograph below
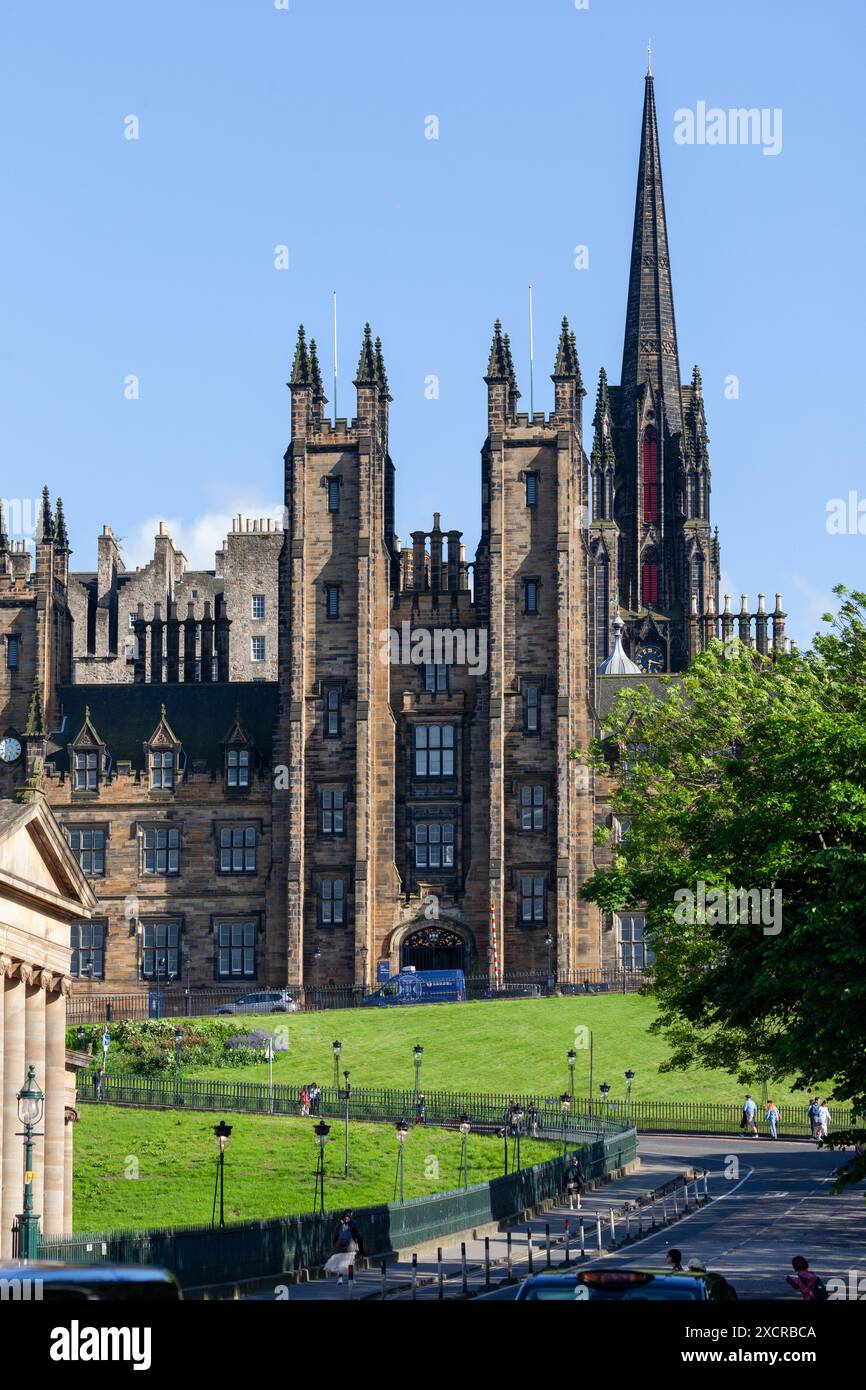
649, 56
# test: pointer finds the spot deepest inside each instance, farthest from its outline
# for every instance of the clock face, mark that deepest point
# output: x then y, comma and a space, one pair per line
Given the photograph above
10, 749
651, 659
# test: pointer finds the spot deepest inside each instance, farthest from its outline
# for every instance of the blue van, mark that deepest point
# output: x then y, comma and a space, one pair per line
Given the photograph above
420, 987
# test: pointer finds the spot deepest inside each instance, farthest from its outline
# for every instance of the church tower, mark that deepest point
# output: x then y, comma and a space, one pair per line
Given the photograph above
654, 555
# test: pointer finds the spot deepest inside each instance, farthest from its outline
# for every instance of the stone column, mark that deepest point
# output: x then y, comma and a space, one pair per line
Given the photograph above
13, 1080
34, 1055
67, 1175
5, 967
55, 1106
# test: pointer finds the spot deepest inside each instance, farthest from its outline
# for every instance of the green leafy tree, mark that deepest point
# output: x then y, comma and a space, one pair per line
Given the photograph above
749, 777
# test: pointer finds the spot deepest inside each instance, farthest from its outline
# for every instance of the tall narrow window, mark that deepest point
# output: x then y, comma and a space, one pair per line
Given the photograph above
435, 676
650, 580
13, 647
257, 648
86, 772
531, 489
160, 955
333, 902
650, 475
332, 600
532, 807
237, 950
634, 952
434, 750
531, 899
434, 844
237, 849
333, 812
162, 769
161, 852
531, 709
258, 606
87, 940
88, 846
333, 713
237, 767
530, 595
333, 494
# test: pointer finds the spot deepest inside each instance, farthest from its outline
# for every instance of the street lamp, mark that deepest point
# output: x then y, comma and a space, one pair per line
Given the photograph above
317, 956
178, 1040
222, 1134
344, 1095
572, 1062
321, 1131
517, 1122
337, 1049
548, 941
502, 1134
604, 1088
463, 1172
81, 1038
565, 1102
402, 1128
30, 1106
418, 1054
629, 1079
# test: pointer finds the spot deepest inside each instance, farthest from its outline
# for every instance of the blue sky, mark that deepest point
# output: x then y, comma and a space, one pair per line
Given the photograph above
305, 127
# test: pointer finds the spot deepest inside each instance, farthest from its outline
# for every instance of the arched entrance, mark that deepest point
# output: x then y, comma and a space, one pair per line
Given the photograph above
433, 948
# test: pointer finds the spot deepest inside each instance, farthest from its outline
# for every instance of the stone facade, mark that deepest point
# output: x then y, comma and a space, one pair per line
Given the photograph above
384, 800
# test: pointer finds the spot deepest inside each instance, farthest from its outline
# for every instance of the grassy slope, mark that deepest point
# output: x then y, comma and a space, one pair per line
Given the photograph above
270, 1166
495, 1046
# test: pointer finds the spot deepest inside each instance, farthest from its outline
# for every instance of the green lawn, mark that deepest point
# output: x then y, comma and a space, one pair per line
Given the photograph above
139, 1168
508, 1045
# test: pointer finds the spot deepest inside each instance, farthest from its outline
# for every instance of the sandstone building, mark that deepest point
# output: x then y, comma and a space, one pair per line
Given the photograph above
270, 772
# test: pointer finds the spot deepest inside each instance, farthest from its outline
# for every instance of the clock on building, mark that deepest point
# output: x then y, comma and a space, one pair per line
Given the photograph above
651, 659
10, 749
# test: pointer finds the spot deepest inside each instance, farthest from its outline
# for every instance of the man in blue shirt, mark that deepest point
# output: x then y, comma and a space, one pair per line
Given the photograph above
750, 1111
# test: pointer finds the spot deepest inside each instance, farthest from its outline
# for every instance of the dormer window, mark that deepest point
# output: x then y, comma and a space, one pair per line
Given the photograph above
162, 769
237, 767
86, 771
163, 756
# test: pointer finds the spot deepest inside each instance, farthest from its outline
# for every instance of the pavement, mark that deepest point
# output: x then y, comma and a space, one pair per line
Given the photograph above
770, 1201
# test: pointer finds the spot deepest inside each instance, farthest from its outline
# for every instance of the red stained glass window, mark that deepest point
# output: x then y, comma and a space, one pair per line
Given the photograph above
650, 475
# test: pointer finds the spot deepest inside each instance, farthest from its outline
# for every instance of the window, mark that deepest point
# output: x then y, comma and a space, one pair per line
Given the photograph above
332, 600
13, 648
161, 851
88, 846
133, 619
435, 676
333, 812
531, 899
434, 750
237, 767
530, 595
238, 849
160, 954
258, 606
532, 808
333, 713
434, 844
531, 480
334, 494
650, 475
237, 950
634, 953
86, 772
532, 709
257, 645
332, 902
87, 940
650, 580
162, 769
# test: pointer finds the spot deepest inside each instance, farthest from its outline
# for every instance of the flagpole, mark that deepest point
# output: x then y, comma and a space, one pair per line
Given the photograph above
335, 356
531, 360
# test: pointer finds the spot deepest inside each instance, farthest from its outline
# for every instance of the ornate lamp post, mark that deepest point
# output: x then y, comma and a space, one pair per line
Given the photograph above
418, 1055
604, 1088
463, 1173
222, 1133
572, 1062
565, 1102
548, 941
337, 1047
502, 1134
629, 1080
345, 1095
402, 1128
517, 1121
30, 1106
321, 1131
178, 1040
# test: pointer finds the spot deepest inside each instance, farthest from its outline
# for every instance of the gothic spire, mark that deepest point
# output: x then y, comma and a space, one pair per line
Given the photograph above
497, 366
650, 347
381, 374
511, 375
61, 538
367, 362
301, 366
316, 375
47, 518
567, 366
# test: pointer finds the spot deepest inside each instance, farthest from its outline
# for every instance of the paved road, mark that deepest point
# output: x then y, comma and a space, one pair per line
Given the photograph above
771, 1203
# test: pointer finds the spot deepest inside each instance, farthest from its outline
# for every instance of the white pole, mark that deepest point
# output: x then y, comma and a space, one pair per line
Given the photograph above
531, 359
335, 356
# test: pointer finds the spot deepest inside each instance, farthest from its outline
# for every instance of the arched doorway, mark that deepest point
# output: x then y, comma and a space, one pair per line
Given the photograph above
433, 948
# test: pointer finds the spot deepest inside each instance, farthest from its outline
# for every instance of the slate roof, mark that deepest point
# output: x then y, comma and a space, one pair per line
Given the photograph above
608, 688
201, 716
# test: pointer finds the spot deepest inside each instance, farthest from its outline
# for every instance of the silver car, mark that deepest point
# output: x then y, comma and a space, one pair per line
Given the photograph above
260, 1001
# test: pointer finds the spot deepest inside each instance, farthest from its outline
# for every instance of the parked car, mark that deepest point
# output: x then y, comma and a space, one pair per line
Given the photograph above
260, 1001
420, 987
52, 1281
606, 1285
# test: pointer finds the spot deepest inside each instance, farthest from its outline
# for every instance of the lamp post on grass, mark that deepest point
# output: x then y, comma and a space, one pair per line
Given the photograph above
418, 1057
178, 1041
321, 1131
548, 941
337, 1048
345, 1095
402, 1128
222, 1134
629, 1081
463, 1172
517, 1122
565, 1102
572, 1062
503, 1135
30, 1107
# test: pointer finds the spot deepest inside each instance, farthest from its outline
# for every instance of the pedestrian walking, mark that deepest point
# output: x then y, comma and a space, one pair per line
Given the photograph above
421, 1109
772, 1118
674, 1258
574, 1185
750, 1113
808, 1285
98, 1082
315, 1096
823, 1120
304, 1100
534, 1119
814, 1117
346, 1246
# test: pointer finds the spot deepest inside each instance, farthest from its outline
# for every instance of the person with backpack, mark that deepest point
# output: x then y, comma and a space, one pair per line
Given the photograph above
772, 1118
814, 1116
573, 1184
315, 1093
750, 1114
808, 1285
346, 1246
304, 1100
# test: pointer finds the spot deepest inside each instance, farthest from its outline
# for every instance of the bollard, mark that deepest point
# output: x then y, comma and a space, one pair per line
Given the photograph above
547, 1241
686, 1193
487, 1262
664, 1208
510, 1267
627, 1225
598, 1245
529, 1251
612, 1230
653, 1206
350, 1282
674, 1200
384, 1279
706, 1184
463, 1265
582, 1240
568, 1242
439, 1271
414, 1275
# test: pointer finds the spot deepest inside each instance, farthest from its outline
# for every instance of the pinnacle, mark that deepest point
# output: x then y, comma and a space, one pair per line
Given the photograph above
61, 538
47, 518
300, 376
367, 361
316, 375
497, 366
567, 365
381, 374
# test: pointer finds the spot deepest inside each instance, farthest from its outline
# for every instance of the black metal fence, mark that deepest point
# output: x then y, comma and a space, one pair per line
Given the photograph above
177, 1001
543, 1115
